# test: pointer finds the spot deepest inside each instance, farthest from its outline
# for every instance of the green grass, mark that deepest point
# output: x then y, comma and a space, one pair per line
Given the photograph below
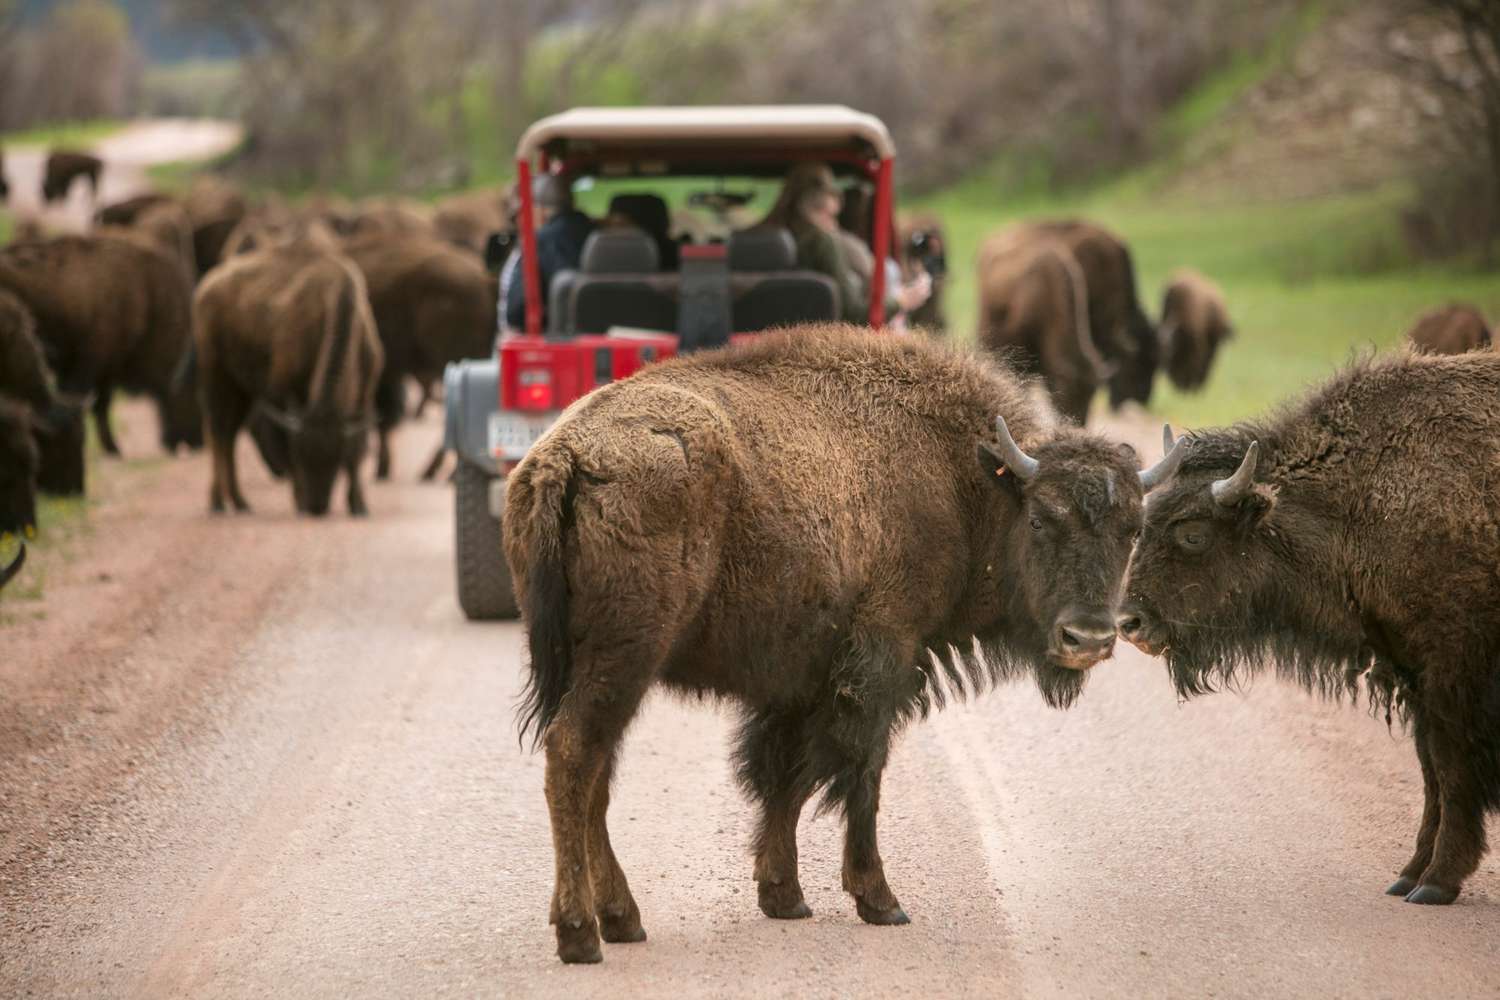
63, 134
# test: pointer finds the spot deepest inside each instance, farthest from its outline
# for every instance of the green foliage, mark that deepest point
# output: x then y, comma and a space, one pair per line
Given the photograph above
63, 133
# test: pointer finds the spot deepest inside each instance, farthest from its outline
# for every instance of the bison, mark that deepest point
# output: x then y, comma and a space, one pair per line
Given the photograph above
1194, 324
467, 220
125, 212
56, 420
1033, 308
286, 333
18, 468
214, 208
110, 313
1450, 329
63, 167
433, 304
819, 525
1125, 336
1352, 535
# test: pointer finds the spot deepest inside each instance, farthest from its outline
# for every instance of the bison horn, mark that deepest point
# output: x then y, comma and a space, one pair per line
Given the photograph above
1173, 452
1016, 460
10, 571
1228, 492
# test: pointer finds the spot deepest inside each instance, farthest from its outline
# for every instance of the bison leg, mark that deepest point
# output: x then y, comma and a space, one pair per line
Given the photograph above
580, 744
434, 464
1431, 813
225, 407
864, 872
107, 441
1460, 834
619, 917
770, 754
356, 495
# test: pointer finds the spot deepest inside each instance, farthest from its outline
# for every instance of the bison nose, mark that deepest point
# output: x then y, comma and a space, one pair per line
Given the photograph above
1085, 639
1130, 625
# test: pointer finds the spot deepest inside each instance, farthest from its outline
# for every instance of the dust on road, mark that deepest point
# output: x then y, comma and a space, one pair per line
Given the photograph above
263, 755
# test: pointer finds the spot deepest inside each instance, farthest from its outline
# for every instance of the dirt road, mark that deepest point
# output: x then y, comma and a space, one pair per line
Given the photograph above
126, 155
263, 756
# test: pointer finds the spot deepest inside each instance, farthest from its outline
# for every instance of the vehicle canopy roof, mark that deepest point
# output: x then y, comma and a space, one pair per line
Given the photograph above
740, 140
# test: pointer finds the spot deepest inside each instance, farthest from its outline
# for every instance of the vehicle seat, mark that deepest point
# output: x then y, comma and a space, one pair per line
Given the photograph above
649, 213
766, 288
619, 284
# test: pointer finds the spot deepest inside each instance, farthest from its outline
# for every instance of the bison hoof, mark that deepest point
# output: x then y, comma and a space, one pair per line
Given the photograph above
1432, 895
623, 929
891, 917
1401, 887
579, 945
783, 901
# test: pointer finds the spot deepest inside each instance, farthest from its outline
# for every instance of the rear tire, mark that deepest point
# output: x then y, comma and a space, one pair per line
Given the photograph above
484, 587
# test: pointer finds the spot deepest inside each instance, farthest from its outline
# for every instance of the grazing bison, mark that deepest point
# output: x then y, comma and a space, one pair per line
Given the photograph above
1033, 310
110, 313
64, 166
818, 525
1125, 336
286, 333
56, 421
1451, 329
433, 304
18, 466
1194, 323
1355, 534
8, 573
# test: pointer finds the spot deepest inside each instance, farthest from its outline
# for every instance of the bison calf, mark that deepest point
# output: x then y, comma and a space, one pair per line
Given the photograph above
1194, 325
64, 166
820, 526
1353, 535
1451, 329
286, 333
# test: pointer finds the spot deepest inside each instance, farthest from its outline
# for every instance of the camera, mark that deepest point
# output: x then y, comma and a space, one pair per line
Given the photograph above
926, 248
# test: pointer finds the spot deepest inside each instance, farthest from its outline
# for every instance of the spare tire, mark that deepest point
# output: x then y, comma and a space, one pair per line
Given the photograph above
484, 587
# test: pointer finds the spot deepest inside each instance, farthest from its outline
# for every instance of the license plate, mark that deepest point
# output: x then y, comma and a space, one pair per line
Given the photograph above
512, 434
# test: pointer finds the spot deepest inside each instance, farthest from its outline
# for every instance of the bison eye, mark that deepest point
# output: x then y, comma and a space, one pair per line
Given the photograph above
1191, 537
1036, 523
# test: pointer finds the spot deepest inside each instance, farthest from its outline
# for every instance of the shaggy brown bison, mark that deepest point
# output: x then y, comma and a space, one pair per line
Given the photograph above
1033, 311
1125, 336
286, 333
110, 314
56, 421
433, 304
1194, 324
1451, 329
124, 213
1355, 534
18, 465
819, 525
63, 167
467, 220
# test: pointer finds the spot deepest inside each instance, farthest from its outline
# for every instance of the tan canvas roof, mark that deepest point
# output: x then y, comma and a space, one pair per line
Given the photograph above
812, 124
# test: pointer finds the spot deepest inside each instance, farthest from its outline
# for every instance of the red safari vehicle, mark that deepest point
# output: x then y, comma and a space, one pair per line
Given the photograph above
691, 270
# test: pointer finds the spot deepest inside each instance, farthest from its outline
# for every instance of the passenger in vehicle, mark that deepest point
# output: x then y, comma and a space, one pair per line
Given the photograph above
809, 206
560, 233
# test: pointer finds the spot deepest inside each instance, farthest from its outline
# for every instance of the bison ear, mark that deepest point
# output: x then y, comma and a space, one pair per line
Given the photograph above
1253, 510
993, 468
1127, 453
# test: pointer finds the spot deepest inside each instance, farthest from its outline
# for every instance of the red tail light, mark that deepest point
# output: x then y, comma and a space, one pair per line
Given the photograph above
535, 389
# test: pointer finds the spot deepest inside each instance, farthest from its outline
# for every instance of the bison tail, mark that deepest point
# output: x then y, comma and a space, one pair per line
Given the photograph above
539, 512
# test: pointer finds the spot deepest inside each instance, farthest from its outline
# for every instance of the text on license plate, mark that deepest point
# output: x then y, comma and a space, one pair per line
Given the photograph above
512, 434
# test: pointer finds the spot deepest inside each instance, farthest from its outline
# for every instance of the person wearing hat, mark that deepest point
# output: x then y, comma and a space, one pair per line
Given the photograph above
560, 233
809, 206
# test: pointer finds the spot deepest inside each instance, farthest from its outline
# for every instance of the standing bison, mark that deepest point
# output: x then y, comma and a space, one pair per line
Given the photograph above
1033, 310
1353, 535
286, 333
56, 422
110, 313
1194, 325
433, 304
63, 167
818, 525
18, 467
1451, 329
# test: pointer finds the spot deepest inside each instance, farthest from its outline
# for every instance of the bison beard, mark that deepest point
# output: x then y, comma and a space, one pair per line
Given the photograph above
1351, 543
818, 526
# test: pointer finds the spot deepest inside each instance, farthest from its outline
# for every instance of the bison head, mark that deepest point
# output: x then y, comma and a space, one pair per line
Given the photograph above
317, 445
1207, 567
18, 464
60, 435
1136, 363
179, 409
1078, 505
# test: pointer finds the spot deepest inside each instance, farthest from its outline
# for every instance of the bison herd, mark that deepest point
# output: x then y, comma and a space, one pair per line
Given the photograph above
300, 325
